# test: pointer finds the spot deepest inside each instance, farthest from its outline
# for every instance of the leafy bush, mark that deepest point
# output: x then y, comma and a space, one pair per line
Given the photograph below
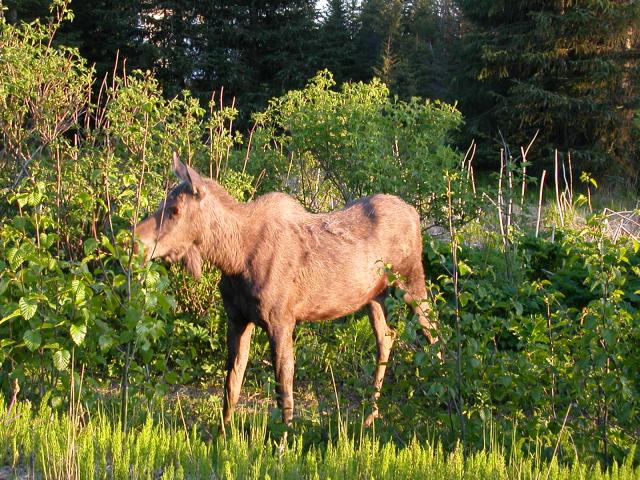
545, 348
79, 172
328, 147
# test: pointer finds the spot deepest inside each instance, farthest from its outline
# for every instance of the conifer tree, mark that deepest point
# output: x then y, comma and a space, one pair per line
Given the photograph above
403, 43
336, 48
256, 50
24, 10
170, 29
106, 29
566, 68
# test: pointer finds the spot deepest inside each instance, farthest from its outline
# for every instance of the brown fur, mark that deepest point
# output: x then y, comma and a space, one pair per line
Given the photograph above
282, 265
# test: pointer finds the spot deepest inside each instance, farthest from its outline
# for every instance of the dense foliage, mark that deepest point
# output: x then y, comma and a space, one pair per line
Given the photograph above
42, 444
540, 332
564, 68
567, 69
330, 147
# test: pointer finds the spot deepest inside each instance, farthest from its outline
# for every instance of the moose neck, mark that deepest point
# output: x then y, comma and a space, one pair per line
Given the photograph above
222, 243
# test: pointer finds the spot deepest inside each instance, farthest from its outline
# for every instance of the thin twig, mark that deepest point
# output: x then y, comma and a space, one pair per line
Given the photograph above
544, 174
500, 199
558, 202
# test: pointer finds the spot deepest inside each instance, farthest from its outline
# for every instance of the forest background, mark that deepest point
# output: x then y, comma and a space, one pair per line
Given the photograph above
565, 69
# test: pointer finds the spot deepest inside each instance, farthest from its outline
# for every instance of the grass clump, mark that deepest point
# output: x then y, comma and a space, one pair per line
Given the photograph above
49, 445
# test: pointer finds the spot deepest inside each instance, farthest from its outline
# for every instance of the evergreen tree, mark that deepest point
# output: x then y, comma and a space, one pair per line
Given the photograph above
106, 29
371, 38
403, 42
256, 50
170, 30
423, 52
566, 68
24, 10
336, 48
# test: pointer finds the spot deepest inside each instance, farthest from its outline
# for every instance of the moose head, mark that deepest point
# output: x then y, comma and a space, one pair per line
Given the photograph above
174, 232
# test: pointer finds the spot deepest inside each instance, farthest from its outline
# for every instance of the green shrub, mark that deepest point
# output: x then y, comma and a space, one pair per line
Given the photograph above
328, 147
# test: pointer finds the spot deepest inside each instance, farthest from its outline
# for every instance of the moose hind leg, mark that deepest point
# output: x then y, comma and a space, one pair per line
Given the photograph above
416, 297
384, 340
238, 343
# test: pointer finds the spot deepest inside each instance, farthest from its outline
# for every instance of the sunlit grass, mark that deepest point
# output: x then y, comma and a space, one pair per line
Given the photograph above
49, 445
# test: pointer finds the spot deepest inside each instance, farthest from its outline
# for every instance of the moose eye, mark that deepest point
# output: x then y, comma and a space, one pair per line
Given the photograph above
170, 211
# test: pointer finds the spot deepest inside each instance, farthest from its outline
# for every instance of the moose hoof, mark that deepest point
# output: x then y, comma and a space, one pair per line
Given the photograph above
368, 422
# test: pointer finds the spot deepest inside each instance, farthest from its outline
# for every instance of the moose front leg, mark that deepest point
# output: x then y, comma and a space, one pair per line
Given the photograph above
238, 343
281, 342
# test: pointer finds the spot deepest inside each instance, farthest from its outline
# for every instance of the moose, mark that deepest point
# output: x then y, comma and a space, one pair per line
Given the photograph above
282, 265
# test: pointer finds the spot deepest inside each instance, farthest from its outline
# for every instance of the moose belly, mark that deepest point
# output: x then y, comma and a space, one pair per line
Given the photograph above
338, 300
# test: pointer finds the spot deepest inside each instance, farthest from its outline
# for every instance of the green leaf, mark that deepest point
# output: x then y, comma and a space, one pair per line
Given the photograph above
609, 336
61, 359
15, 258
32, 339
77, 287
34, 198
152, 279
464, 298
90, 246
15, 313
22, 199
28, 308
464, 269
78, 333
518, 307
106, 243
4, 283
105, 341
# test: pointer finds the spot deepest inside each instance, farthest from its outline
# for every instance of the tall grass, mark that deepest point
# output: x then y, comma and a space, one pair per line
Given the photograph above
35, 444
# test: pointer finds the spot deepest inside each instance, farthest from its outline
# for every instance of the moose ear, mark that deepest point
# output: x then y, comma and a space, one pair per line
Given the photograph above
188, 174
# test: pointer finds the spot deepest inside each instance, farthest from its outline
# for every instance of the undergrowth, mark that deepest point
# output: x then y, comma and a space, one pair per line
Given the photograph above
49, 445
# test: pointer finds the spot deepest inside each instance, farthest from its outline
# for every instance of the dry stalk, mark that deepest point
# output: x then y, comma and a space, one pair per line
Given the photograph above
233, 105
558, 201
470, 155
456, 290
544, 174
500, 200
248, 151
510, 206
524, 176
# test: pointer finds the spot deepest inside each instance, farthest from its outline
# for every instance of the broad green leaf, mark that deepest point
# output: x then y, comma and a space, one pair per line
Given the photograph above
22, 199
28, 308
90, 246
152, 279
32, 339
518, 307
609, 335
464, 298
105, 341
77, 287
34, 198
61, 359
464, 269
15, 313
78, 333
4, 283
15, 257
